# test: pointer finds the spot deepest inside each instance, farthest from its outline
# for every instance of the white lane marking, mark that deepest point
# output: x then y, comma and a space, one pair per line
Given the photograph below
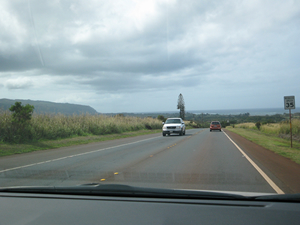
265, 176
70, 156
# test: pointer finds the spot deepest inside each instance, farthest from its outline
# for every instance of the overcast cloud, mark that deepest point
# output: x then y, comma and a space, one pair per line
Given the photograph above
138, 56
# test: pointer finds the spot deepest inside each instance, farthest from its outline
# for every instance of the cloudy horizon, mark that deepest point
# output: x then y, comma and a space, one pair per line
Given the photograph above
138, 56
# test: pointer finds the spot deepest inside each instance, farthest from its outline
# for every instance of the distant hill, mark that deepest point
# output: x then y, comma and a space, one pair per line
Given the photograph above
42, 107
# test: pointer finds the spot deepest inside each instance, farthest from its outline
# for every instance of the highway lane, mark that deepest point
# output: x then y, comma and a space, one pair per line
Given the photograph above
199, 160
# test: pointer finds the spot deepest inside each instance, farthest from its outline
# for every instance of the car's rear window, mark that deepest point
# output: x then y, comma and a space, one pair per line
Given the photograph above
215, 123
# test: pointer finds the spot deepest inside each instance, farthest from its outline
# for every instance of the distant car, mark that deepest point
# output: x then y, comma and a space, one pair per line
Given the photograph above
215, 125
173, 125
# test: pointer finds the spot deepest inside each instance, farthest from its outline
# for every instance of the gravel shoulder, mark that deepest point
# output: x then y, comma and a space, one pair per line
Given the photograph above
283, 171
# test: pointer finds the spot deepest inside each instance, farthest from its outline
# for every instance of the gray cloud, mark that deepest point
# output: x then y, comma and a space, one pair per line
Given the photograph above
19, 83
103, 48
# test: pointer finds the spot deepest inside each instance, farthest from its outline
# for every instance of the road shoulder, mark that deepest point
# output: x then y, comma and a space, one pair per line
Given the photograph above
285, 172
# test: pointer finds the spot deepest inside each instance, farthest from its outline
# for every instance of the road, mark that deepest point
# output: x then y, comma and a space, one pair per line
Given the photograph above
199, 160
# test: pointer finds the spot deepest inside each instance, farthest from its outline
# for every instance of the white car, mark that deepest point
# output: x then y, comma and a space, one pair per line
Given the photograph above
173, 125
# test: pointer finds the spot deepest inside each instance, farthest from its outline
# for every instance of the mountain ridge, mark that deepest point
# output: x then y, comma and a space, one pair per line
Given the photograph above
45, 107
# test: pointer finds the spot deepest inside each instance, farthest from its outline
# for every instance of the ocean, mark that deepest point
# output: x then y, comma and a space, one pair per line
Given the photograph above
253, 112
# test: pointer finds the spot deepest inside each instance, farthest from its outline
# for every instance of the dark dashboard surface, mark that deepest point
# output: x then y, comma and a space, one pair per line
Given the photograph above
16, 208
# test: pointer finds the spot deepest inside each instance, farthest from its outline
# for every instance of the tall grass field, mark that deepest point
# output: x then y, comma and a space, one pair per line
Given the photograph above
51, 127
274, 128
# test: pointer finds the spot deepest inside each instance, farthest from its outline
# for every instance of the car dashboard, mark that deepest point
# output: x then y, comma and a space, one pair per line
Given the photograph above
30, 208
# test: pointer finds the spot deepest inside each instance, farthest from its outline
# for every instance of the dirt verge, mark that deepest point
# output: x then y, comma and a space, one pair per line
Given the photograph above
283, 171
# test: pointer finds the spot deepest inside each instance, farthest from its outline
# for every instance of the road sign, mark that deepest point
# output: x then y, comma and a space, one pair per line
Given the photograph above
289, 102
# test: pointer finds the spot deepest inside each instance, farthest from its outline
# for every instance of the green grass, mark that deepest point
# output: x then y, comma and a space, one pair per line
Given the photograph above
270, 141
11, 149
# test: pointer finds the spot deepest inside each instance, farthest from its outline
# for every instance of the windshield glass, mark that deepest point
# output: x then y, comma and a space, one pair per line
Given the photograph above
173, 121
88, 86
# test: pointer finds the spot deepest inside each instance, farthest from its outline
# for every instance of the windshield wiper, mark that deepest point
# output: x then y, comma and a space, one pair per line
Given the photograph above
126, 191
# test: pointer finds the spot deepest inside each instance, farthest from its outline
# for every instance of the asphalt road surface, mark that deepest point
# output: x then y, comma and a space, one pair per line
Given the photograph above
199, 160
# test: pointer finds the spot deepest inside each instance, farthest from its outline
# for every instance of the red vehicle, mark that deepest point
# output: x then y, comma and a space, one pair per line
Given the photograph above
215, 125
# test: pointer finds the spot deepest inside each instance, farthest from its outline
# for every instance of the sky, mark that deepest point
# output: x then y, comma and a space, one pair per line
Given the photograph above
138, 56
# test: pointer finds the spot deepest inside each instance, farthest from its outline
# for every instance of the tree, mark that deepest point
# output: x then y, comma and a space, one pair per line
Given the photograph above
162, 118
181, 107
20, 129
258, 125
21, 114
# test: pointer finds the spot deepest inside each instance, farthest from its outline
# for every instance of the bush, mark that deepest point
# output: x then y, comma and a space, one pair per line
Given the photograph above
258, 125
148, 127
224, 124
21, 114
15, 126
162, 118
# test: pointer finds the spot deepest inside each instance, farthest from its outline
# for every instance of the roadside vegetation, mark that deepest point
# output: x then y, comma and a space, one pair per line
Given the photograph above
280, 129
273, 136
57, 126
203, 120
21, 130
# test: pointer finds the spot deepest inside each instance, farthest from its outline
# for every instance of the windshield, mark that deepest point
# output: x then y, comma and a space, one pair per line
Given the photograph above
173, 121
87, 86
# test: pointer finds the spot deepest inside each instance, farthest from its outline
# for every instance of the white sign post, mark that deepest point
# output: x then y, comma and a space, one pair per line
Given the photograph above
289, 103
